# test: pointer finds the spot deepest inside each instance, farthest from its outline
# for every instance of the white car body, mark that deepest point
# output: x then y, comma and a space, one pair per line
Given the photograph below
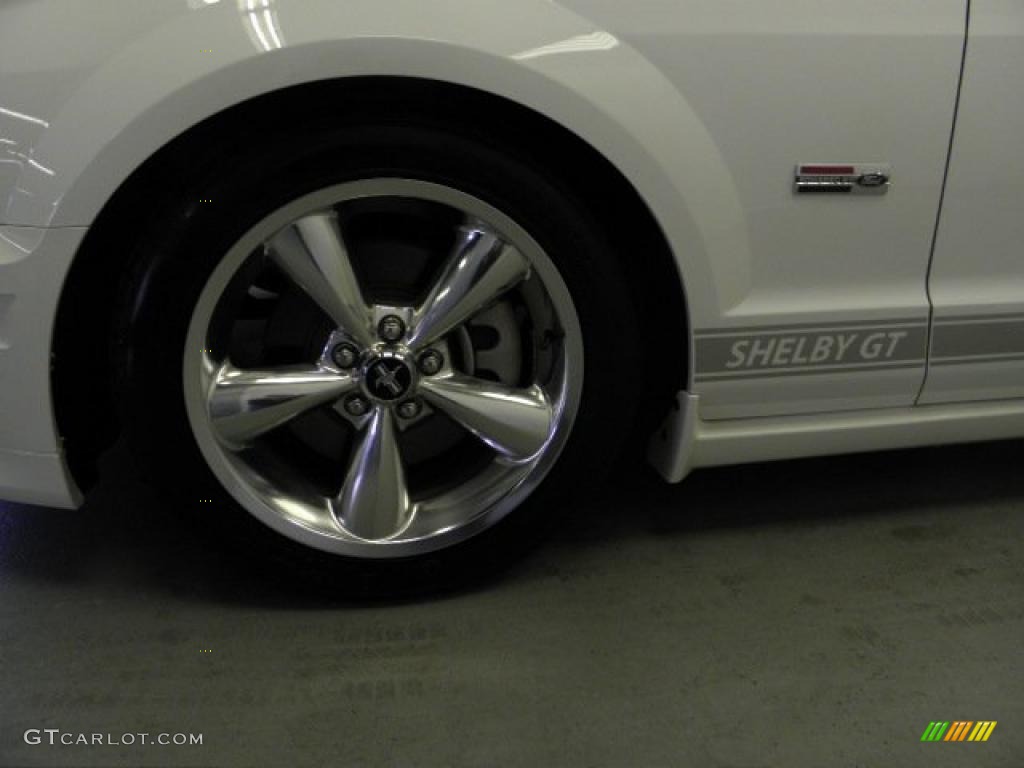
818, 324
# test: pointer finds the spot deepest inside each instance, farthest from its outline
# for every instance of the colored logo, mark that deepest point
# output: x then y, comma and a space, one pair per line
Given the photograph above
388, 379
959, 730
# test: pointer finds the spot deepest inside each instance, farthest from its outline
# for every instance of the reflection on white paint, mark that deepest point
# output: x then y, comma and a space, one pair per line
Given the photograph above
41, 167
23, 116
595, 41
20, 247
30, 161
262, 25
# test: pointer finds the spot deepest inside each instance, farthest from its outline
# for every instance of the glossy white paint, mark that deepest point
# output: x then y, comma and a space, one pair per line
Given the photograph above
705, 106
738, 441
31, 466
774, 84
978, 268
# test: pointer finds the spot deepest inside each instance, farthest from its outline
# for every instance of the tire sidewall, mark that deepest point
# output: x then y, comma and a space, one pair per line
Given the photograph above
186, 239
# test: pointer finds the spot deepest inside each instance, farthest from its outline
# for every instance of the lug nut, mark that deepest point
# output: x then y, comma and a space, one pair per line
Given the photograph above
345, 356
357, 406
430, 362
410, 409
391, 328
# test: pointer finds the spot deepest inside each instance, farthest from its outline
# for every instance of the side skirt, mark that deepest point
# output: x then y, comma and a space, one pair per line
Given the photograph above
685, 442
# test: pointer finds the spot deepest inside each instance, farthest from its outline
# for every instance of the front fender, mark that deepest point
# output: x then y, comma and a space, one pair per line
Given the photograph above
131, 87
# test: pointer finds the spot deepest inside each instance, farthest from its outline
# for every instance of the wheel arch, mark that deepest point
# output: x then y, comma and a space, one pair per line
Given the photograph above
89, 299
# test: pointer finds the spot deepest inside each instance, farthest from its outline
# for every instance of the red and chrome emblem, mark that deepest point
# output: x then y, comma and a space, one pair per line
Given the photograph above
844, 179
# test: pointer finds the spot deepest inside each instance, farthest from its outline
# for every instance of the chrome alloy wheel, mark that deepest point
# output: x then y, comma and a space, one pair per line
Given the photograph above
383, 368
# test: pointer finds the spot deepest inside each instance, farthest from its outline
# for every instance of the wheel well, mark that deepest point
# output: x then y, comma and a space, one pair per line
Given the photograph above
85, 406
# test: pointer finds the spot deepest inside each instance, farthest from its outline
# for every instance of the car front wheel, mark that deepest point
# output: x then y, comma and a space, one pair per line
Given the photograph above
396, 351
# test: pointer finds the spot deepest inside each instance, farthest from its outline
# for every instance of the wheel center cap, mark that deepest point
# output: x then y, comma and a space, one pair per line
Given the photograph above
387, 378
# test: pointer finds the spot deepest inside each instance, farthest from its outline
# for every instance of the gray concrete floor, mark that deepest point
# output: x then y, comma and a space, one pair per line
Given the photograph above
812, 613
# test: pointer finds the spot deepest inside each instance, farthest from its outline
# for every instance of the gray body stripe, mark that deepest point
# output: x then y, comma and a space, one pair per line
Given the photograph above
820, 370
978, 339
809, 351
724, 354
759, 329
1017, 357
1009, 317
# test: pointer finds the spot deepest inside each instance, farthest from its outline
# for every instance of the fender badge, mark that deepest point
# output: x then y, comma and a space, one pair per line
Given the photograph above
843, 179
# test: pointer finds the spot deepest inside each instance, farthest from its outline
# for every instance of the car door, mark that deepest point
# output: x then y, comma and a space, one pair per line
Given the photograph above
977, 275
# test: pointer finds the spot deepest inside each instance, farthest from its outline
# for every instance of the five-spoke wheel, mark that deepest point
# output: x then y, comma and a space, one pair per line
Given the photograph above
390, 355
383, 367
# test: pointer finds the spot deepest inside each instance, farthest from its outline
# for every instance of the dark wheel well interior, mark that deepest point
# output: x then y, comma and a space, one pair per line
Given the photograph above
85, 407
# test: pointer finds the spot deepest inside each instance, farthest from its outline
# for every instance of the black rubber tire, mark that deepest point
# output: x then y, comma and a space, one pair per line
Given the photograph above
248, 179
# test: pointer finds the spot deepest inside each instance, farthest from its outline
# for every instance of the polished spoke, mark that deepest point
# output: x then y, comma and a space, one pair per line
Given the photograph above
390, 389
312, 252
481, 268
374, 502
244, 404
515, 422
